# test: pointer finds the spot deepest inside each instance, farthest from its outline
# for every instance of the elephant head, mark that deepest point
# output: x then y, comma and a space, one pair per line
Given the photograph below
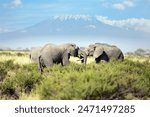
72, 49
34, 53
90, 50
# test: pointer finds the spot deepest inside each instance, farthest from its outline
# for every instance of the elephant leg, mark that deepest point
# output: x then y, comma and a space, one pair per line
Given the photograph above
97, 60
65, 59
65, 62
121, 57
85, 59
82, 59
40, 66
103, 57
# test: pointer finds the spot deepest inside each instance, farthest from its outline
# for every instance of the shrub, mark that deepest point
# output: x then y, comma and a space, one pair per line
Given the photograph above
17, 79
7, 90
20, 54
3, 72
112, 80
26, 78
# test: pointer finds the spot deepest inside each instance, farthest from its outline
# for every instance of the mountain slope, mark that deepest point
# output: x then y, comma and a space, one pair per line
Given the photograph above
66, 26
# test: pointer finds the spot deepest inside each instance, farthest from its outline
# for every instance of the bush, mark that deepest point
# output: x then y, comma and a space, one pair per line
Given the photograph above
20, 54
26, 78
113, 80
8, 90
5, 67
3, 72
17, 79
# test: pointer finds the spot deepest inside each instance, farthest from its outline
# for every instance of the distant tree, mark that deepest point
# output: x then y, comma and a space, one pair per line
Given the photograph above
140, 51
26, 49
129, 53
19, 48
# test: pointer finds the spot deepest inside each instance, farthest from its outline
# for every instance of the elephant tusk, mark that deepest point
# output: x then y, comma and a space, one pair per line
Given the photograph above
81, 59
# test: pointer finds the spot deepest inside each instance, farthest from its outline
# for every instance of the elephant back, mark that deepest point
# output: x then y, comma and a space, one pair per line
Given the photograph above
50, 50
112, 51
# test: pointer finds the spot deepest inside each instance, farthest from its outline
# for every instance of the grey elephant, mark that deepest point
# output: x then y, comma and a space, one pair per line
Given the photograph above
104, 52
34, 54
54, 54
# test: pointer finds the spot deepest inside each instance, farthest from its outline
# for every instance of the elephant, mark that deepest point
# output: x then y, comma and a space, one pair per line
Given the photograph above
54, 54
34, 54
104, 52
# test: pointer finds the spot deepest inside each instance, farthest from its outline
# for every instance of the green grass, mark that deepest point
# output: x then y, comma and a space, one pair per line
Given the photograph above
113, 80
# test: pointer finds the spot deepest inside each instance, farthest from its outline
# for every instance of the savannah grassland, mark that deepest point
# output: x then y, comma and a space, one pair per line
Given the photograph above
20, 79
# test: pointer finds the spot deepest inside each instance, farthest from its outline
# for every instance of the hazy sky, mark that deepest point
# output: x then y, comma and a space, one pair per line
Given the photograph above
129, 14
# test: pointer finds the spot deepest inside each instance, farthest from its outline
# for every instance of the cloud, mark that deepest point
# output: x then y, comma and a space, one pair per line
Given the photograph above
119, 6
138, 24
91, 26
4, 30
13, 4
16, 3
128, 3
123, 5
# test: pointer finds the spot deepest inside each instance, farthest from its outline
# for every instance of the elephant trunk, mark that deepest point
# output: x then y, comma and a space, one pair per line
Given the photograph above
83, 56
76, 52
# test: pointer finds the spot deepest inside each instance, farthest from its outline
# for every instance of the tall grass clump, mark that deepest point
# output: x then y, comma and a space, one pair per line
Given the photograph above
8, 90
17, 80
5, 67
26, 78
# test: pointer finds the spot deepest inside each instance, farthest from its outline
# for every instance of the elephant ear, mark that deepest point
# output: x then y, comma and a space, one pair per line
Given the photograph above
98, 52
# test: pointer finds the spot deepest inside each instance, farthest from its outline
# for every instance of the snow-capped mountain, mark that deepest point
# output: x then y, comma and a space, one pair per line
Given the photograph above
66, 26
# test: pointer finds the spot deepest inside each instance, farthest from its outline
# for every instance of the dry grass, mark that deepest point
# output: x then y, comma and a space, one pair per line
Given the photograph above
24, 59
29, 97
138, 58
11, 55
77, 60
